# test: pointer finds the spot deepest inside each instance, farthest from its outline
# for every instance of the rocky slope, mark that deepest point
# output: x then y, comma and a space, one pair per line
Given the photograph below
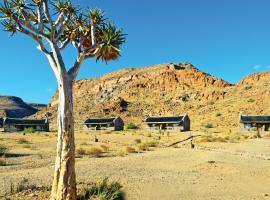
11, 106
168, 89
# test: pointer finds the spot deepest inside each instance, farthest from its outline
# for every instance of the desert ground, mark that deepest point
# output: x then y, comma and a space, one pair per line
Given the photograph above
234, 167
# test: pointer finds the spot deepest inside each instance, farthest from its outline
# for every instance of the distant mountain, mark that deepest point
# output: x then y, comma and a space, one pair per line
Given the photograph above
11, 106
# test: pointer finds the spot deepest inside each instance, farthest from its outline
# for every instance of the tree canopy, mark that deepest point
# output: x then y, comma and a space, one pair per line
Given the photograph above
59, 22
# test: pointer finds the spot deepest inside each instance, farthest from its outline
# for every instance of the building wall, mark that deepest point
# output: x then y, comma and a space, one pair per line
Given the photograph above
251, 128
186, 123
118, 124
14, 128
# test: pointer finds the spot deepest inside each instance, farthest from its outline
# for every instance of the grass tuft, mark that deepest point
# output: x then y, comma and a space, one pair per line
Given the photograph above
102, 190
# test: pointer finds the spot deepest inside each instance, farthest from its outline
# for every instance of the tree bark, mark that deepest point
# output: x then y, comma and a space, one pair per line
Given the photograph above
64, 183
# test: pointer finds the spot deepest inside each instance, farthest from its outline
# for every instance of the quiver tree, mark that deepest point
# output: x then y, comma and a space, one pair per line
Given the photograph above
54, 25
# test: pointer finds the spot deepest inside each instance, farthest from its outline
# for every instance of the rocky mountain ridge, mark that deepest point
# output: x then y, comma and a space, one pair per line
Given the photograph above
15, 107
168, 89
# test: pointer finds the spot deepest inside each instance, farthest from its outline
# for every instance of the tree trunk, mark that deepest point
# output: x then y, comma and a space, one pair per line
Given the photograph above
64, 183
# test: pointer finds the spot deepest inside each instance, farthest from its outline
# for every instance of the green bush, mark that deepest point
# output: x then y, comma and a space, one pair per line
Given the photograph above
102, 190
29, 130
23, 141
250, 100
248, 87
209, 125
132, 126
218, 114
3, 149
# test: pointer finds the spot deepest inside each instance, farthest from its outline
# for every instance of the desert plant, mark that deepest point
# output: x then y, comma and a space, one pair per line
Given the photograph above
132, 126
27, 146
211, 103
218, 114
209, 125
24, 184
138, 141
104, 147
121, 153
84, 143
250, 100
143, 147
3, 162
3, 149
81, 151
152, 143
130, 150
29, 130
102, 190
23, 141
248, 87
258, 134
95, 152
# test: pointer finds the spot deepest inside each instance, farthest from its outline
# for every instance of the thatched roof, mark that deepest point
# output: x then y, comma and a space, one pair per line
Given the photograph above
152, 120
100, 120
19, 121
255, 119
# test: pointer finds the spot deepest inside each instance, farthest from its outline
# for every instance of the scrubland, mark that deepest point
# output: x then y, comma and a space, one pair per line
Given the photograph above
223, 164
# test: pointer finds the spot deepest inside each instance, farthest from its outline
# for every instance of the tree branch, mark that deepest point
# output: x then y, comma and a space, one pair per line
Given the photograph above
62, 28
73, 72
46, 12
59, 20
93, 34
40, 20
64, 44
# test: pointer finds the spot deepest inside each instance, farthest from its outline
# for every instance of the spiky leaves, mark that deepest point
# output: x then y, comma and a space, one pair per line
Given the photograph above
97, 16
68, 24
110, 38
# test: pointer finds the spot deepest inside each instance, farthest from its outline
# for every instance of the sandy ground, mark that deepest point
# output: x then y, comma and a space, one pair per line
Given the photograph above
210, 171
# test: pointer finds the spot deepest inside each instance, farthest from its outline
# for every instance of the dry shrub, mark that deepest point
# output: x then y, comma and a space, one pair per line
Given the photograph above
27, 146
95, 152
143, 147
81, 151
232, 138
3, 162
104, 147
23, 141
131, 150
3, 149
138, 141
84, 144
152, 143
121, 153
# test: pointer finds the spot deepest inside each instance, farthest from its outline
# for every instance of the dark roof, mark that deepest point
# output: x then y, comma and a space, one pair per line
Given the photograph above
177, 119
100, 120
255, 118
19, 121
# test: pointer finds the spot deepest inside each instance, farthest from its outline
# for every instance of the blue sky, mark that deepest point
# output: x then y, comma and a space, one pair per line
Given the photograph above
226, 38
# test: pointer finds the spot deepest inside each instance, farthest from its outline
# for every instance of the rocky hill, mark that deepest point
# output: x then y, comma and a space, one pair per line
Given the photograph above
168, 89
11, 106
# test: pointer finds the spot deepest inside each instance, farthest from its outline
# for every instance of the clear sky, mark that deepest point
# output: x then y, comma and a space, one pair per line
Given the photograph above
226, 38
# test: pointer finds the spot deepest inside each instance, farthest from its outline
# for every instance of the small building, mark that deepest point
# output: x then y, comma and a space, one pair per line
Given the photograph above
19, 124
255, 122
181, 123
113, 123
